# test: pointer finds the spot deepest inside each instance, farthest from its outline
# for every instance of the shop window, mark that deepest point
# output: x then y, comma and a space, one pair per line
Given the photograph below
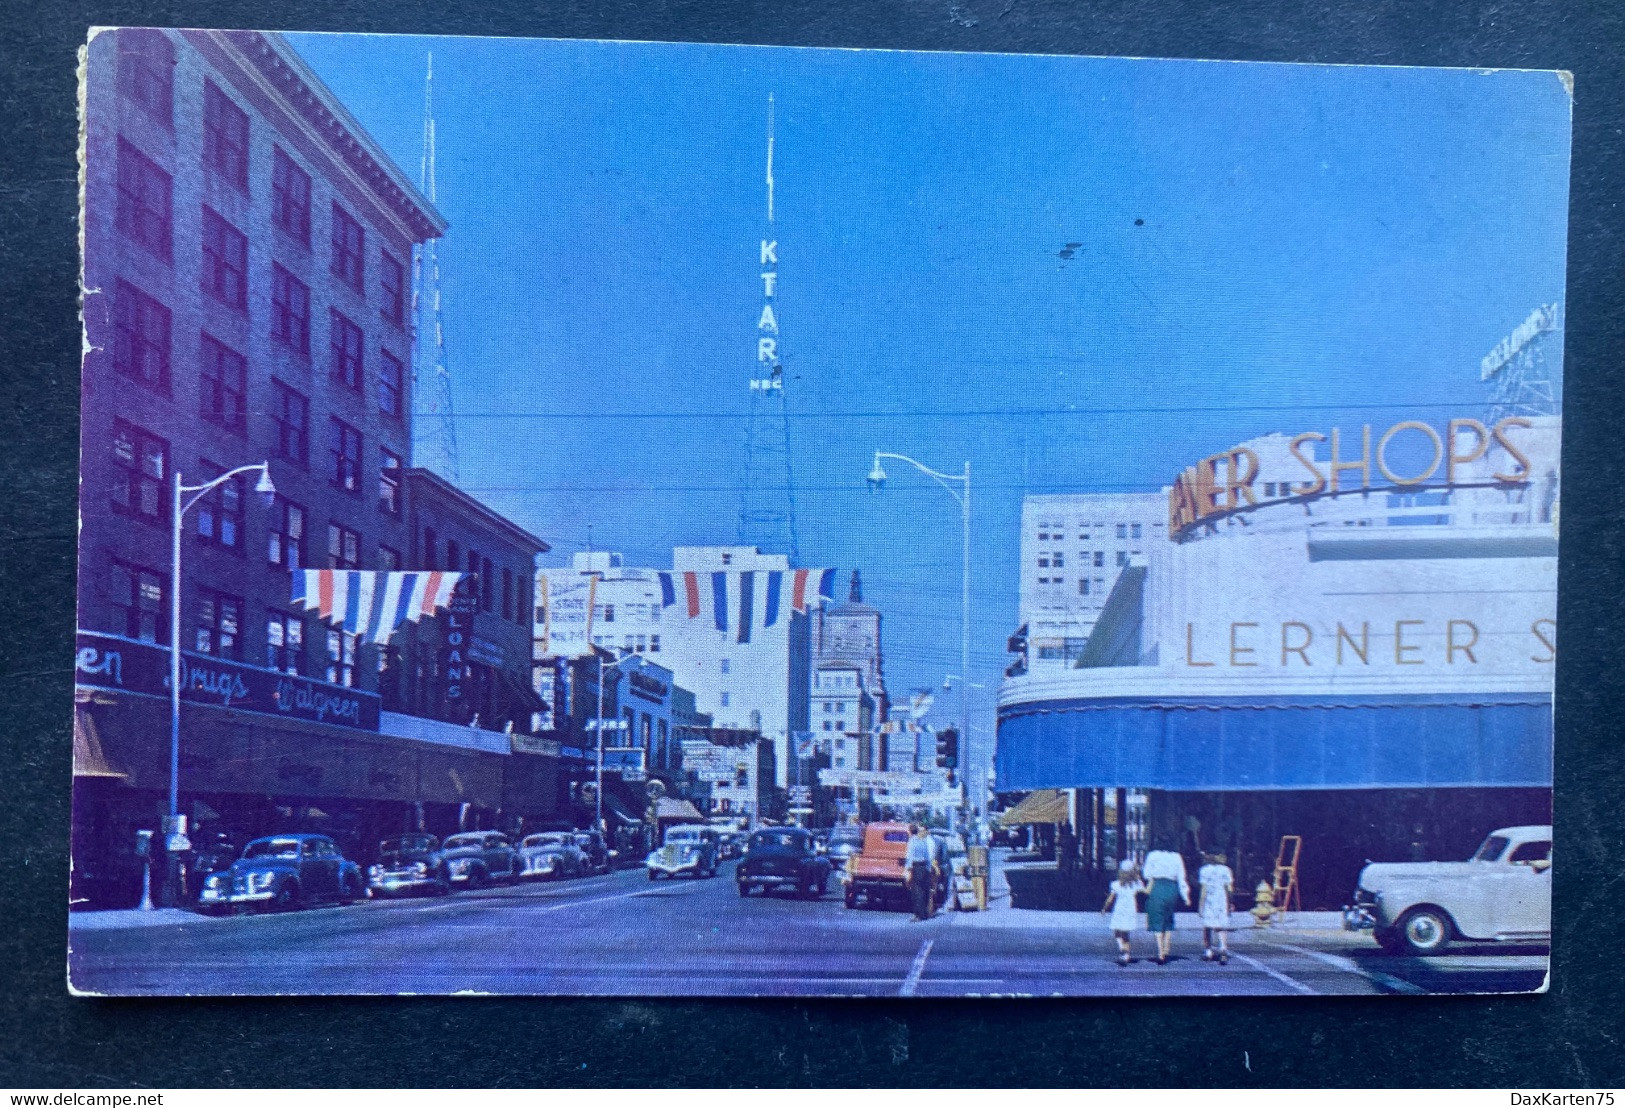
389, 559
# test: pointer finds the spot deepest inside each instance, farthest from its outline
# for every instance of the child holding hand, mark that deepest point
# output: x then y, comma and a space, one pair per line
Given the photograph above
1122, 900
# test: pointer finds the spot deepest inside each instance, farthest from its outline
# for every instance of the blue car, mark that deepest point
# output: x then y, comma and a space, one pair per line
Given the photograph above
282, 872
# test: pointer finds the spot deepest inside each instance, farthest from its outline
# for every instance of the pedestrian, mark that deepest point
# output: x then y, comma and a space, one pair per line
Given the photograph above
922, 871
1216, 882
1164, 873
1123, 901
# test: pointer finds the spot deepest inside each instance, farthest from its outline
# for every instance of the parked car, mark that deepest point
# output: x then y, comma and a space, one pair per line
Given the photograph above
783, 858
550, 854
213, 854
687, 848
477, 858
409, 863
598, 857
1503, 894
282, 872
878, 872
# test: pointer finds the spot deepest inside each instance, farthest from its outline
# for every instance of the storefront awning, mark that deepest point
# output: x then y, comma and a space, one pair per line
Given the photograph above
618, 808
1277, 743
88, 759
1043, 806
670, 808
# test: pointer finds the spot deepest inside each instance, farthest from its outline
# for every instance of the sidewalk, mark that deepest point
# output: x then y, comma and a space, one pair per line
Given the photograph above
114, 919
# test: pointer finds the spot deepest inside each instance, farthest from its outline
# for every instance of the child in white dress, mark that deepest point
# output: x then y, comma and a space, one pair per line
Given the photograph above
1123, 902
1216, 882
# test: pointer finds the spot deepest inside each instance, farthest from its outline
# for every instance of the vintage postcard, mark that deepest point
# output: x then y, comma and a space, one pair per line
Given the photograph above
572, 517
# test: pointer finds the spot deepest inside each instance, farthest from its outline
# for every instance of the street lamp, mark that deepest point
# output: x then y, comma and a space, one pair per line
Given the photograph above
598, 725
958, 487
267, 492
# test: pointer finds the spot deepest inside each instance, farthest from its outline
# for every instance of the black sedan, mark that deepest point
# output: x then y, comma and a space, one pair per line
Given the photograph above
783, 857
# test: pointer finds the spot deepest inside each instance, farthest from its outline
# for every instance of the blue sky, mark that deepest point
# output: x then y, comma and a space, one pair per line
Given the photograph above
1262, 248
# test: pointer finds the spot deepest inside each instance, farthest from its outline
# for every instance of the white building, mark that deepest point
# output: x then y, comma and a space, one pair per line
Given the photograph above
1072, 549
749, 671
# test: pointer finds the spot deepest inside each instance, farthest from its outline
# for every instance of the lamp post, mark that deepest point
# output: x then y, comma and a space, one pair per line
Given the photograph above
961, 495
179, 508
598, 725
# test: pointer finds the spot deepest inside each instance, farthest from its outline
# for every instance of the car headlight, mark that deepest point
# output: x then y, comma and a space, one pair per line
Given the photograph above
215, 880
374, 871
420, 870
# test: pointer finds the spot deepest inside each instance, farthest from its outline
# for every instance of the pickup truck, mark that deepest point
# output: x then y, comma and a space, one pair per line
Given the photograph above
878, 872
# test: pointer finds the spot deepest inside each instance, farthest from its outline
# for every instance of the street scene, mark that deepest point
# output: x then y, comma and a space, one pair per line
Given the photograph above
928, 525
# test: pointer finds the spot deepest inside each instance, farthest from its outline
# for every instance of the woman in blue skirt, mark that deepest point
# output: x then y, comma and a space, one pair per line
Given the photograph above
1164, 873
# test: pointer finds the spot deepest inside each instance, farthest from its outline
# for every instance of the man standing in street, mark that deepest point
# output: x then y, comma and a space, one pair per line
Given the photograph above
922, 871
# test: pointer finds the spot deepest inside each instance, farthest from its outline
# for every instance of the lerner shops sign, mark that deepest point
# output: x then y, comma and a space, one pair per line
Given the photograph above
126, 665
1199, 493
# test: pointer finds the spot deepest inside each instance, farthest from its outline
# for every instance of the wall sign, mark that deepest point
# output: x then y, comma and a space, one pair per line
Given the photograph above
112, 662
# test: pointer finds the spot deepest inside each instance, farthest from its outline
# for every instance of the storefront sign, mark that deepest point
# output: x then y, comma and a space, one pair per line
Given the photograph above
534, 744
565, 601
649, 688
1223, 484
111, 662
459, 621
486, 652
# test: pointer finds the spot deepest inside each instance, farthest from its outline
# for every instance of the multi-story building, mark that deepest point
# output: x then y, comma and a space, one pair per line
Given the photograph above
1073, 546
748, 672
850, 632
246, 255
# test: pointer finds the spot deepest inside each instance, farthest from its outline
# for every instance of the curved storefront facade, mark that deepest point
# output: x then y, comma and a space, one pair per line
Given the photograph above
1371, 654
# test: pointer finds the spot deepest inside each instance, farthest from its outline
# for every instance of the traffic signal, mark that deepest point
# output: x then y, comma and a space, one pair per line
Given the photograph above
948, 748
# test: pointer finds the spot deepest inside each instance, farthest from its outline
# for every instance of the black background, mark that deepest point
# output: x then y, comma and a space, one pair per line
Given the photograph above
1574, 1036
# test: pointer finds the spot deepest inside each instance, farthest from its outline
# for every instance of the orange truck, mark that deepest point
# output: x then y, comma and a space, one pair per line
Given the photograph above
878, 873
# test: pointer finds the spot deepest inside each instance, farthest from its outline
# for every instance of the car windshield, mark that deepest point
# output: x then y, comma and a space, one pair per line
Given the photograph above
894, 836
408, 843
273, 848
459, 842
1493, 848
776, 838
682, 835
544, 840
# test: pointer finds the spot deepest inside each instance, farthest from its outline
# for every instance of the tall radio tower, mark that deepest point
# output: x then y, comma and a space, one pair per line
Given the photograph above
434, 425
1522, 380
767, 511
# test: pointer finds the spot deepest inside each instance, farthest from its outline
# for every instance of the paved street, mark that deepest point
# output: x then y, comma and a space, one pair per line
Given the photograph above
620, 934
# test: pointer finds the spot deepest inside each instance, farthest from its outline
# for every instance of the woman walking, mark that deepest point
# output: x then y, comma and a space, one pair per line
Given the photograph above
1164, 872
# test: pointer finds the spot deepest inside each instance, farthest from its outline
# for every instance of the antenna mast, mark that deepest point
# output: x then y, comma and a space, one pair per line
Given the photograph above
434, 425
767, 511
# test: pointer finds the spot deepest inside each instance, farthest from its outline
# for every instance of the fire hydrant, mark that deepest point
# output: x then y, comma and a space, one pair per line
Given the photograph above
1264, 906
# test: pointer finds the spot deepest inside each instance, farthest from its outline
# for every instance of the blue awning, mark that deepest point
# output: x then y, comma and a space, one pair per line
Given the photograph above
1277, 743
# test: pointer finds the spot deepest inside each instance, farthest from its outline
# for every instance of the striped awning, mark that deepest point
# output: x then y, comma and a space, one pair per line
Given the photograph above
88, 758
1043, 806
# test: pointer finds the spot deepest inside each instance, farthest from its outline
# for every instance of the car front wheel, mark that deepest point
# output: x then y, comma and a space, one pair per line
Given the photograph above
287, 897
1424, 931
744, 889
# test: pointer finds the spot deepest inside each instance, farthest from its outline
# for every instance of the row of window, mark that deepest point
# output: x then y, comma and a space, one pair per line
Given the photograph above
1121, 530
217, 627
141, 474
504, 591
1057, 559
146, 65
